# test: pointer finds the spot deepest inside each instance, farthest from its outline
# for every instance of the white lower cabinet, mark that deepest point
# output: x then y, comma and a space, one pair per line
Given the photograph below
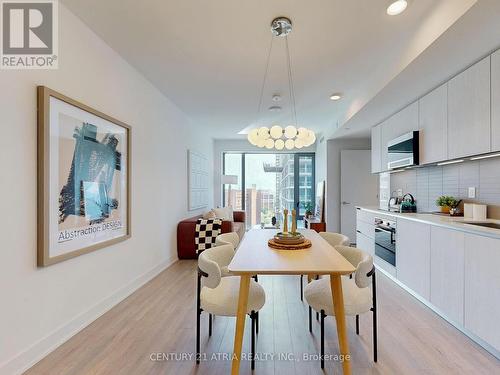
413, 253
365, 243
447, 272
482, 288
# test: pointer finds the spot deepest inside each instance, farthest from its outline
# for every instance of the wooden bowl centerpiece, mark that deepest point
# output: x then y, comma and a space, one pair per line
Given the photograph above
289, 241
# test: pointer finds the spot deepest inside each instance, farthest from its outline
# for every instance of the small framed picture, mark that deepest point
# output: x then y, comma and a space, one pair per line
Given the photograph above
83, 178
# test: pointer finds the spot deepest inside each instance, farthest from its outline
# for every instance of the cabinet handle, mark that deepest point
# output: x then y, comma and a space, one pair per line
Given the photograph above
358, 231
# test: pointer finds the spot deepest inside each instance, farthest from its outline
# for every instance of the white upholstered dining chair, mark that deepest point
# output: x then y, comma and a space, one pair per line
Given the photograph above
334, 239
218, 295
230, 238
358, 298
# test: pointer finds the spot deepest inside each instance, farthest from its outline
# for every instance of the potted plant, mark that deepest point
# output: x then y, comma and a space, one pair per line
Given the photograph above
447, 202
308, 206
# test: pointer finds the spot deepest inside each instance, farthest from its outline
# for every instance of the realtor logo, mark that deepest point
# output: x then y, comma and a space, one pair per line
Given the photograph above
29, 34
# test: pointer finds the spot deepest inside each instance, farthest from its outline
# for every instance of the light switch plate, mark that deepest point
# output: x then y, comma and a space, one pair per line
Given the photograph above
472, 192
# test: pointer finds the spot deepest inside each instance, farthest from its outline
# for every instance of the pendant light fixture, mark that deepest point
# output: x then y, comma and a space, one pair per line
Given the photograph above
278, 137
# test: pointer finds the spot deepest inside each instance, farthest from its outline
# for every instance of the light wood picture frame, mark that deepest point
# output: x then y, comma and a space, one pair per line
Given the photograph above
84, 174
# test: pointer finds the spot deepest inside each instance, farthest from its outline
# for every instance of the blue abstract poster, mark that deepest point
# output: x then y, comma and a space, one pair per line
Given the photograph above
86, 181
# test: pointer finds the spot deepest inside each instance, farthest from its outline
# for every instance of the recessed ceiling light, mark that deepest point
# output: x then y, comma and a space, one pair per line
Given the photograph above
335, 96
397, 7
276, 97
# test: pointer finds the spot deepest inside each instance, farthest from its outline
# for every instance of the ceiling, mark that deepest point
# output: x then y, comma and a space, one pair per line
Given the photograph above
474, 36
208, 57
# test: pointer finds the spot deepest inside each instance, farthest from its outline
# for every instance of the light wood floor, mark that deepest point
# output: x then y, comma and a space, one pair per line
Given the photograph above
160, 317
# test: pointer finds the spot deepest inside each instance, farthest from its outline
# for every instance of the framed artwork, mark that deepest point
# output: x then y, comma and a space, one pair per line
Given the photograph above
197, 180
319, 210
83, 178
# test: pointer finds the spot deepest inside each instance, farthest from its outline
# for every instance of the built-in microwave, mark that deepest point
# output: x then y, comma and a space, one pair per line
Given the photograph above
403, 151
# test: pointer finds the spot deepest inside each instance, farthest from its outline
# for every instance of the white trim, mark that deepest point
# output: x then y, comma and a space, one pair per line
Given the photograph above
33, 354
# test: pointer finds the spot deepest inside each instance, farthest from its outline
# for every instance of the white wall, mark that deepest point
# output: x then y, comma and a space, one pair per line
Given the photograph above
41, 307
236, 145
334, 147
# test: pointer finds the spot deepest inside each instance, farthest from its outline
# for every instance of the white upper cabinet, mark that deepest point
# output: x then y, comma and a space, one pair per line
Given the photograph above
376, 149
413, 256
400, 123
433, 125
469, 123
495, 101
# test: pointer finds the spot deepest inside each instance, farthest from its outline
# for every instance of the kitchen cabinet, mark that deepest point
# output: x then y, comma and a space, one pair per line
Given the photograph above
413, 252
400, 123
447, 272
495, 101
482, 288
469, 124
376, 149
433, 126
365, 243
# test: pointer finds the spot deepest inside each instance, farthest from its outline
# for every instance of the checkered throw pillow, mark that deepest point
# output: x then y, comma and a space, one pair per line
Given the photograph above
206, 232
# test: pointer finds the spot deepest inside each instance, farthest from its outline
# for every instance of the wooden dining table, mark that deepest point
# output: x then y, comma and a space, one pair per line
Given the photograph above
255, 257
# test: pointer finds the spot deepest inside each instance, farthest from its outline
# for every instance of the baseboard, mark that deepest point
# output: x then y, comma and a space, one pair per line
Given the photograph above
52, 341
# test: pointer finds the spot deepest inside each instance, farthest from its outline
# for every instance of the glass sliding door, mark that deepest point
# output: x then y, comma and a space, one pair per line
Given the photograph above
305, 193
268, 183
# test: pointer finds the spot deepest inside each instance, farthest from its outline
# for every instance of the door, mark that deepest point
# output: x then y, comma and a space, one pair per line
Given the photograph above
377, 149
358, 187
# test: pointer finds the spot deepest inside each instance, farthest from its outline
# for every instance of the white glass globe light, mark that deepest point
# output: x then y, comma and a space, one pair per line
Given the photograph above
264, 133
276, 131
290, 144
290, 132
299, 143
279, 144
269, 143
261, 142
302, 133
311, 138
253, 136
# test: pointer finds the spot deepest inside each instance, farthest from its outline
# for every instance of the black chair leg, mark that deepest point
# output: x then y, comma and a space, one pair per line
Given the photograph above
253, 318
209, 325
374, 310
257, 322
302, 288
198, 316
317, 316
322, 339
310, 320
357, 324
256, 278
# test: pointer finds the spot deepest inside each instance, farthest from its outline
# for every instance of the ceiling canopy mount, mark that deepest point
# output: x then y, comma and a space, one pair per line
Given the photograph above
281, 26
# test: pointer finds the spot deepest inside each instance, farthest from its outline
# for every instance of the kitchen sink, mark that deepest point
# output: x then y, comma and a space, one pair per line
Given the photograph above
487, 225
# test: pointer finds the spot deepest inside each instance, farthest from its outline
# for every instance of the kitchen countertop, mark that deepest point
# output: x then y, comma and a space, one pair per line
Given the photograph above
456, 223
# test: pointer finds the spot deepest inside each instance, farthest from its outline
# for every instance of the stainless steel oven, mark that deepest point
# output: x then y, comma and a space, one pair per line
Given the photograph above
385, 240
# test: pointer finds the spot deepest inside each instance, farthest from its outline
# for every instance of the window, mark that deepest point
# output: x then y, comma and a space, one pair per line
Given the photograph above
269, 183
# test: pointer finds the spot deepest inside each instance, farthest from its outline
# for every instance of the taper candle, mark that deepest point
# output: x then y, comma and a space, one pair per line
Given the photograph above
285, 221
294, 221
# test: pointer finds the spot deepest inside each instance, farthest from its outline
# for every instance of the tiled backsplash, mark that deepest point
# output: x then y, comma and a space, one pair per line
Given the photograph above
428, 183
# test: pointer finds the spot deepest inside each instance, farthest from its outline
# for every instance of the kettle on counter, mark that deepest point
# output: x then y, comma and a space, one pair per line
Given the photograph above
408, 204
